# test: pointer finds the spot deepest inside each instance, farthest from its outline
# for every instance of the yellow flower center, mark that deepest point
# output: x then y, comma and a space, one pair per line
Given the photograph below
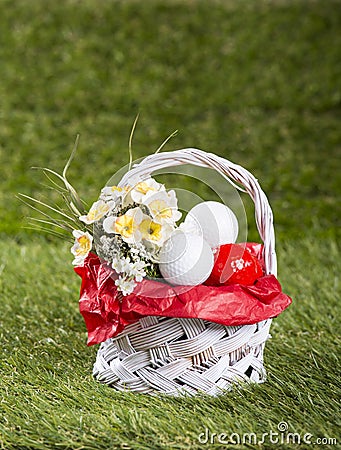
150, 230
160, 209
84, 245
116, 188
125, 226
143, 187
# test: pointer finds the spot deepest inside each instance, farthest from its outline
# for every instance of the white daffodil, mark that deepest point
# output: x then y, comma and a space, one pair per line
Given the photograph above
98, 210
155, 232
81, 247
126, 225
113, 192
163, 206
141, 189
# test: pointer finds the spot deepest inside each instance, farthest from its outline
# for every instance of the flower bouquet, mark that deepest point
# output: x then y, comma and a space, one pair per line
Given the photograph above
177, 307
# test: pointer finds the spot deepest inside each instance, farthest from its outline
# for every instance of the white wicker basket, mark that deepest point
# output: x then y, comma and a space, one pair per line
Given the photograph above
177, 356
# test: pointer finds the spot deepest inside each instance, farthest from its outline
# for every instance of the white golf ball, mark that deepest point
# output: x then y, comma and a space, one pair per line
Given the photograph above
215, 221
186, 259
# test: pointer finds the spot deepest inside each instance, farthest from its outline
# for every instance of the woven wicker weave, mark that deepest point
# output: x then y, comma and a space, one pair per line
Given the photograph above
186, 356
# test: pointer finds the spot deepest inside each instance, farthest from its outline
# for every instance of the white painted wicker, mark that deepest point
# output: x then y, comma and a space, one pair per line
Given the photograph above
175, 356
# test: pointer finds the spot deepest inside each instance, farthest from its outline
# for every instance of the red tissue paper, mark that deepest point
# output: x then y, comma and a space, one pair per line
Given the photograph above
106, 311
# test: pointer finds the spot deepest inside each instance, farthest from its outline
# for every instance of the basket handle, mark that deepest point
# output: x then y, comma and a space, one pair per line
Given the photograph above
232, 173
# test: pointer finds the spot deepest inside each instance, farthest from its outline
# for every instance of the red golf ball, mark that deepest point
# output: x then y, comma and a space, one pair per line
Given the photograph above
234, 264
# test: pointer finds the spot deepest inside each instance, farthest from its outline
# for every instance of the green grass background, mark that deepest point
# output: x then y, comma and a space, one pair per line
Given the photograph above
257, 82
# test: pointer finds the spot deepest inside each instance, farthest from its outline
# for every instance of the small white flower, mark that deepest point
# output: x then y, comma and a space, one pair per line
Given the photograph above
116, 265
98, 210
81, 247
125, 286
137, 270
126, 265
121, 264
